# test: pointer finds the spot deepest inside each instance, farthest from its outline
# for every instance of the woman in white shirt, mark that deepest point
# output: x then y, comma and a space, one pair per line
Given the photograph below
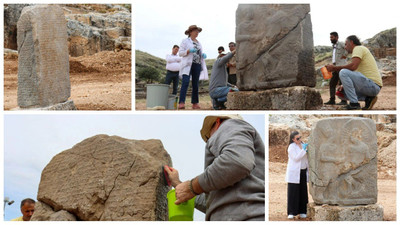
192, 64
297, 177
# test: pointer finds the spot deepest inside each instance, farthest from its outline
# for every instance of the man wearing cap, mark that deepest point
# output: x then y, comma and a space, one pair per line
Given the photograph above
360, 79
27, 210
232, 186
218, 86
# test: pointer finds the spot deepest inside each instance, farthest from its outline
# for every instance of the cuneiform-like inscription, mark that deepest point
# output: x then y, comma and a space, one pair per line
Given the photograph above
43, 63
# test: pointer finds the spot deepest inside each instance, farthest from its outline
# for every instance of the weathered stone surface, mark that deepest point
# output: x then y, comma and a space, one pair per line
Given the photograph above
274, 46
95, 32
68, 105
43, 63
108, 178
345, 213
88, 33
291, 98
44, 212
342, 157
12, 12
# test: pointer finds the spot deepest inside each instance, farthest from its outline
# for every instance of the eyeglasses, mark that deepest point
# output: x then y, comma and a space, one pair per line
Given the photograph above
298, 138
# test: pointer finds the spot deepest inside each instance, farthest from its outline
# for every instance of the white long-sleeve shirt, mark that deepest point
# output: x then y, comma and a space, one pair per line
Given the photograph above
297, 161
173, 62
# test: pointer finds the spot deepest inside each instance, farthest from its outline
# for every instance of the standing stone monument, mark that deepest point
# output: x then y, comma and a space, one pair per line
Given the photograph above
342, 157
43, 60
274, 54
105, 178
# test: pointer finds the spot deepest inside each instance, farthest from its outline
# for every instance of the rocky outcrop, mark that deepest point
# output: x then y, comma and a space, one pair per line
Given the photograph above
105, 178
291, 98
383, 44
103, 27
95, 32
342, 157
274, 46
43, 63
12, 12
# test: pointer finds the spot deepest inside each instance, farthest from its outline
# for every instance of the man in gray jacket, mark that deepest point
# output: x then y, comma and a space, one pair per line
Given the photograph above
219, 86
339, 55
232, 186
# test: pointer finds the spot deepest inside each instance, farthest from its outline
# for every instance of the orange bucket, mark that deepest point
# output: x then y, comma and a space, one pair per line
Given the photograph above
327, 75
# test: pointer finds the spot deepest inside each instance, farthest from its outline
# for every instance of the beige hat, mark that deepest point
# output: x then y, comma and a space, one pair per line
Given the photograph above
210, 120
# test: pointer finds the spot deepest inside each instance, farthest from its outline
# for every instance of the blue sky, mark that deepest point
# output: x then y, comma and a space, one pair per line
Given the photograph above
161, 24
30, 141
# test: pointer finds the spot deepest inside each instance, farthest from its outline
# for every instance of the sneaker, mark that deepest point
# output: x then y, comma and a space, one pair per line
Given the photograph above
181, 106
370, 102
343, 102
352, 106
221, 105
330, 102
302, 215
290, 217
196, 106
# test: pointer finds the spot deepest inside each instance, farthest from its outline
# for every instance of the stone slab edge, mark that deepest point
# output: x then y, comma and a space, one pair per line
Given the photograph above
68, 105
305, 98
372, 212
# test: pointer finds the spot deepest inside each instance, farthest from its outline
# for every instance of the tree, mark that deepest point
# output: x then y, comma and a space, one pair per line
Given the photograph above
149, 74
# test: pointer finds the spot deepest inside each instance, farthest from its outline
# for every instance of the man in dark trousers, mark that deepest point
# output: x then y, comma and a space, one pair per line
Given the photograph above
339, 55
360, 79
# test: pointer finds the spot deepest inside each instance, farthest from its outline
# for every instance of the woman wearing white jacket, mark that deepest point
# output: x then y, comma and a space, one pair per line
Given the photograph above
297, 177
192, 64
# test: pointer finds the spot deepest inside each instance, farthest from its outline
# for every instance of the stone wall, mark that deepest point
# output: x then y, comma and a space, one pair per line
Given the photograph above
105, 178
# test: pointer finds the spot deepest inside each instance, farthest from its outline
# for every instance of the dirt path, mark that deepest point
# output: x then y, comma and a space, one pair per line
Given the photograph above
278, 194
98, 82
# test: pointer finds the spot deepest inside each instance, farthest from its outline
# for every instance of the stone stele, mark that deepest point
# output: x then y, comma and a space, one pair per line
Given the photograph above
342, 159
105, 178
43, 63
274, 46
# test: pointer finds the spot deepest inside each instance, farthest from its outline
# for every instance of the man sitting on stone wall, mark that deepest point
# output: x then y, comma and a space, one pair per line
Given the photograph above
219, 87
360, 78
232, 186
27, 210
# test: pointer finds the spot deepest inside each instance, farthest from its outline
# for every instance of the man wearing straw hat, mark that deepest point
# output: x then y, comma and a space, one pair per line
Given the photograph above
232, 186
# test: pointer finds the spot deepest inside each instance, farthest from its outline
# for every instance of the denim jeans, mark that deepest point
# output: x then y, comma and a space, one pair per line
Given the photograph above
220, 93
195, 73
356, 86
174, 77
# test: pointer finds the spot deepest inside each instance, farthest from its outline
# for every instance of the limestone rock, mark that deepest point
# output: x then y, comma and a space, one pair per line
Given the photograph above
44, 212
43, 63
291, 98
107, 178
274, 46
342, 157
95, 32
12, 12
345, 213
